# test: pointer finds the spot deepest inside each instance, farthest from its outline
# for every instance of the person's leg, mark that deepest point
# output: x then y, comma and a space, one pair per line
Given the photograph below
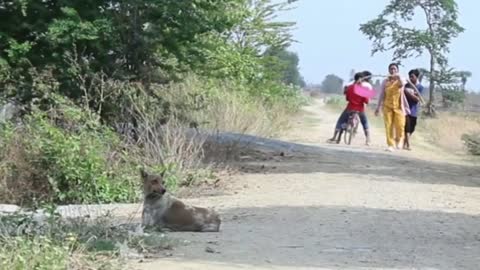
399, 125
388, 119
413, 124
406, 142
411, 128
364, 121
338, 125
343, 122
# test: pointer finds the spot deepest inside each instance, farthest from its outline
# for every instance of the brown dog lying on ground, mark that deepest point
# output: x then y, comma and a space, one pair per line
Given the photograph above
161, 210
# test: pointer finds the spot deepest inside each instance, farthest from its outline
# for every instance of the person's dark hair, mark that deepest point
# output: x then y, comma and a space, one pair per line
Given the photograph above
415, 72
366, 73
393, 65
358, 76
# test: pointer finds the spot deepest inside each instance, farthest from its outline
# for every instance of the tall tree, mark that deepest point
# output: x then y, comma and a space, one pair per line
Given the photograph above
423, 72
285, 64
389, 31
332, 84
259, 27
464, 76
120, 37
240, 51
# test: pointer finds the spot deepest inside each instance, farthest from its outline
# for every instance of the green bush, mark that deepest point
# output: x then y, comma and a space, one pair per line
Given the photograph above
39, 253
27, 242
64, 155
472, 142
452, 95
337, 101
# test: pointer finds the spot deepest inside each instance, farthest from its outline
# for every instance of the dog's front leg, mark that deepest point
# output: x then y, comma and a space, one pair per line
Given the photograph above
147, 218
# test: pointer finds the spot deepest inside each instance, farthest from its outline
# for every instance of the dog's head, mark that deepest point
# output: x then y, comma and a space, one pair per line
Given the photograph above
152, 183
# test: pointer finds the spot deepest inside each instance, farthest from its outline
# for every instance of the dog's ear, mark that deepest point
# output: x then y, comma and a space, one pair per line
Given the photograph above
143, 173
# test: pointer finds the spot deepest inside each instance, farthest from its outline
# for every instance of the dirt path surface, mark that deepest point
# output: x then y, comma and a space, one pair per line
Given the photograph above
300, 203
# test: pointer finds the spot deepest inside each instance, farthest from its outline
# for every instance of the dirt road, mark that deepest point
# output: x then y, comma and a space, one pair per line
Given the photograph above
323, 206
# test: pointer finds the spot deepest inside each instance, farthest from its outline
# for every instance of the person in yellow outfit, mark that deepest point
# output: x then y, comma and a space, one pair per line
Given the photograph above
394, 104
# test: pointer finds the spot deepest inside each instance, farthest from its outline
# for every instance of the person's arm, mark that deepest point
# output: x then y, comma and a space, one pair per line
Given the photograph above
348, 94
412, 95
381, 97
366, 100
405, 104
345, 88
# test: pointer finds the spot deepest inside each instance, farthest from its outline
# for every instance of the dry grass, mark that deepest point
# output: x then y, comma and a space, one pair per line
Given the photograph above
242, 117
233, 116
169, 146
316, 94
444, 131
447, 129
18, 179
224, 108
174, 148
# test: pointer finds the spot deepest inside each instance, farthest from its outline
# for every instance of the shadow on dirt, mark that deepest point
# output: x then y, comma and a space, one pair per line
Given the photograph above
269, 156
342, 238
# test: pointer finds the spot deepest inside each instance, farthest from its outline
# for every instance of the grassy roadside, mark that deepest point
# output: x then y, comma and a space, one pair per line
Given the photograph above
31, 242
66, 155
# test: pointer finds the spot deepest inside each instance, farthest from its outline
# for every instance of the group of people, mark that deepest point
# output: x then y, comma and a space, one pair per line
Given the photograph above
398, 100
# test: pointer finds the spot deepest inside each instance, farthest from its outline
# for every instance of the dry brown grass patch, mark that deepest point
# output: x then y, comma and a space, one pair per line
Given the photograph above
447, 129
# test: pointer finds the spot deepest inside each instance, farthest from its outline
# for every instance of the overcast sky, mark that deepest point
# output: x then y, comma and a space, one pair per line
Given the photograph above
330, 42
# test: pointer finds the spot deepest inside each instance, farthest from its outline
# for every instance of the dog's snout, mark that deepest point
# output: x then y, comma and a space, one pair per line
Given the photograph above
162, 191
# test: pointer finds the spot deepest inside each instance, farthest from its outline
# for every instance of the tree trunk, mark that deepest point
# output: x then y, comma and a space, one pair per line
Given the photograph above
431, 99
432, 51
